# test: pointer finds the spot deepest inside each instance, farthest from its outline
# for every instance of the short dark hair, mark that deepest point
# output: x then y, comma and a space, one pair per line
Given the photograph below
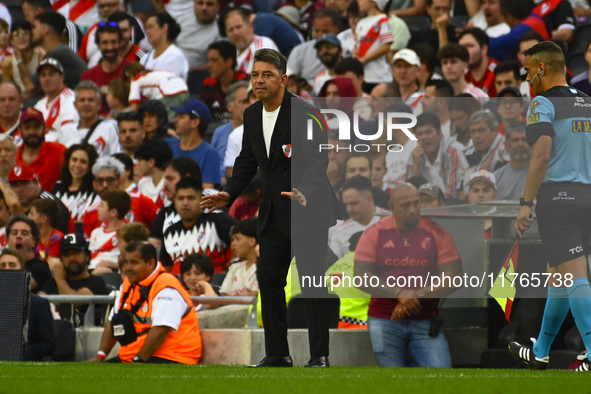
508, 67
358, 155
452, 50
147, 250
479, 35
520, 9
49, 208
427, 55
121, 16
329, 13
22, 218
55, 21
517, 125
134, 231
357, 182
201, 261
550, 53
428, 119
188, 183
154, 149
468, 104
118, 200
164, 18
349, 64
132, 116
126, 161
399, 107
186, 167
273, 57
44, 4
246, 227
226, 49
442, 87
20, 24
531, 35
353, 8
106, 27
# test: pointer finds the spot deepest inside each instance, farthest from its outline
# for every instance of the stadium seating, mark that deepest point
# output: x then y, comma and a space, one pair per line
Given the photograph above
112, 281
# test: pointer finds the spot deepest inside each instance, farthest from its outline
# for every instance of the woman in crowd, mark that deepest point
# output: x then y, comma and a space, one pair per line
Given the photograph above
22, 63
162, 30
330, 96
75, 185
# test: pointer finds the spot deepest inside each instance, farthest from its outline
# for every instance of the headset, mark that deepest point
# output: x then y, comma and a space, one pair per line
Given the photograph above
536, 77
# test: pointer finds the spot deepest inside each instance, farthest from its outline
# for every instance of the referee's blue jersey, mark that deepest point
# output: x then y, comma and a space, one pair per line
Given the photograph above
563, 113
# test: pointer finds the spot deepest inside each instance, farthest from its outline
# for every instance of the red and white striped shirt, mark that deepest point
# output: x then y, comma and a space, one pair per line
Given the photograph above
245, 59
58, 113
82, 12
477, 93
103, 246
371, 33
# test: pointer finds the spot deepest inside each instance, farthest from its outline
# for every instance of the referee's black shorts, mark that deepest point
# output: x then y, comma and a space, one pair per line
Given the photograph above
563, 213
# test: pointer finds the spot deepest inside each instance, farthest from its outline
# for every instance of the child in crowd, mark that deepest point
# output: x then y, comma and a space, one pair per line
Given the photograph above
111, 211
196, 273
241, 279
45, 212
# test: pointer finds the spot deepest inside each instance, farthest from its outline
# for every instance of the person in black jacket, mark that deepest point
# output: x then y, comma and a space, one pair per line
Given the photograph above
298, 205
40, 336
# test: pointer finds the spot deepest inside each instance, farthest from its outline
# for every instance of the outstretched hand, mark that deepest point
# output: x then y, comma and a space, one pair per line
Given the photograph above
295, 194
215, 201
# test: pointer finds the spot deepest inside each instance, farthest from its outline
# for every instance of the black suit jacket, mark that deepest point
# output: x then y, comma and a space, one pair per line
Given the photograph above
294, 161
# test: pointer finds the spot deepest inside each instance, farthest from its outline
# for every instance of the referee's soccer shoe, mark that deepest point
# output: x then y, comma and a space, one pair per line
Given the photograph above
526, 354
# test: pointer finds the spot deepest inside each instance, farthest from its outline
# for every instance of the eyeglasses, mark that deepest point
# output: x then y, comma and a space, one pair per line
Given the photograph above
110, 180
112, 24
21, 33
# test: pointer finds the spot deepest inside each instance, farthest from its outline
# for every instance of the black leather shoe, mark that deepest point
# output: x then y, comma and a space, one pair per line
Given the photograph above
318, 362
274, 361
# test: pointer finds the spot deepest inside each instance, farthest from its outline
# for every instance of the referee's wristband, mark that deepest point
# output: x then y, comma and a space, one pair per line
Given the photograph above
524, 203
102, 355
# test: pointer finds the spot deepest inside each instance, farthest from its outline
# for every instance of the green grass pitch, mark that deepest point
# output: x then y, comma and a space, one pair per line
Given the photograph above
81, 378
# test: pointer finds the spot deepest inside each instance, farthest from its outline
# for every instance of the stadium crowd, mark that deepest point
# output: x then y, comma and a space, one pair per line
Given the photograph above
117, 116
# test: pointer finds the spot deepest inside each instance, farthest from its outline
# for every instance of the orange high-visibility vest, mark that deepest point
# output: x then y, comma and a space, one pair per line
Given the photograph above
184, 345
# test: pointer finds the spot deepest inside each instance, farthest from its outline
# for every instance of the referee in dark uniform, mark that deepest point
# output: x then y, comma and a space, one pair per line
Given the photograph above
559, 130
298, 207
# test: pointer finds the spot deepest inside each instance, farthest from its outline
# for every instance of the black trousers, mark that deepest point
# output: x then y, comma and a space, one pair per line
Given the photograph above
277, 250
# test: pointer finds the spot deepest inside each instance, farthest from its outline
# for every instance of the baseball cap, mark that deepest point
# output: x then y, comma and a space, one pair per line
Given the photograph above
31, 113
409, 56
483, 175
510, 90
194, 107
21, 172
290, 13
381, 4
73, 241
432, 191
51, 62
330, 38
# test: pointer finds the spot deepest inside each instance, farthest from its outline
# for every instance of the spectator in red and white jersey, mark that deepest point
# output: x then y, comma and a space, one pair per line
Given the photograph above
75, 188
8, 149
240, 31
57, 106
162, 32
44, 157
83, 13
405, 69
161, 85
152, 156
128, 49
103, 245
91, 128
329, 51
108, 172
481, 68
108, 37
33, 8
45, 213
221, 63
10, 110
454, 60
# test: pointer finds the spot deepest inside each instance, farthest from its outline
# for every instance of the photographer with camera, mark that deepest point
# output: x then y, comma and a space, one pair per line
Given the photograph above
153, 318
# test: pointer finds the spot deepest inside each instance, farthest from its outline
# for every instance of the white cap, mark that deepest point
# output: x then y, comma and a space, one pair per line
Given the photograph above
381, 4
483, 175
290, 13
409, 56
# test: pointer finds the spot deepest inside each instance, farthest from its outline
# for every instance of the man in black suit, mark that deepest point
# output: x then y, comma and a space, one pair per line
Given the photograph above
298, 206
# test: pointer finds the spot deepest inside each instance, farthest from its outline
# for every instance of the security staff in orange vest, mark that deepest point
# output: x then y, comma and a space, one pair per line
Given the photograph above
153, 318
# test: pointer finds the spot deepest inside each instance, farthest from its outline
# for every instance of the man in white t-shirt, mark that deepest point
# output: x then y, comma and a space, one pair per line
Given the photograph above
57, 106
454, 60
241, 279
240, 31
357, 197
373, 38
98, 132
396, 162
152, 157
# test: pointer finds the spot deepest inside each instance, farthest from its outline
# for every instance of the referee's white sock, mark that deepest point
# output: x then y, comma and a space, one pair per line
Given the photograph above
579, 297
